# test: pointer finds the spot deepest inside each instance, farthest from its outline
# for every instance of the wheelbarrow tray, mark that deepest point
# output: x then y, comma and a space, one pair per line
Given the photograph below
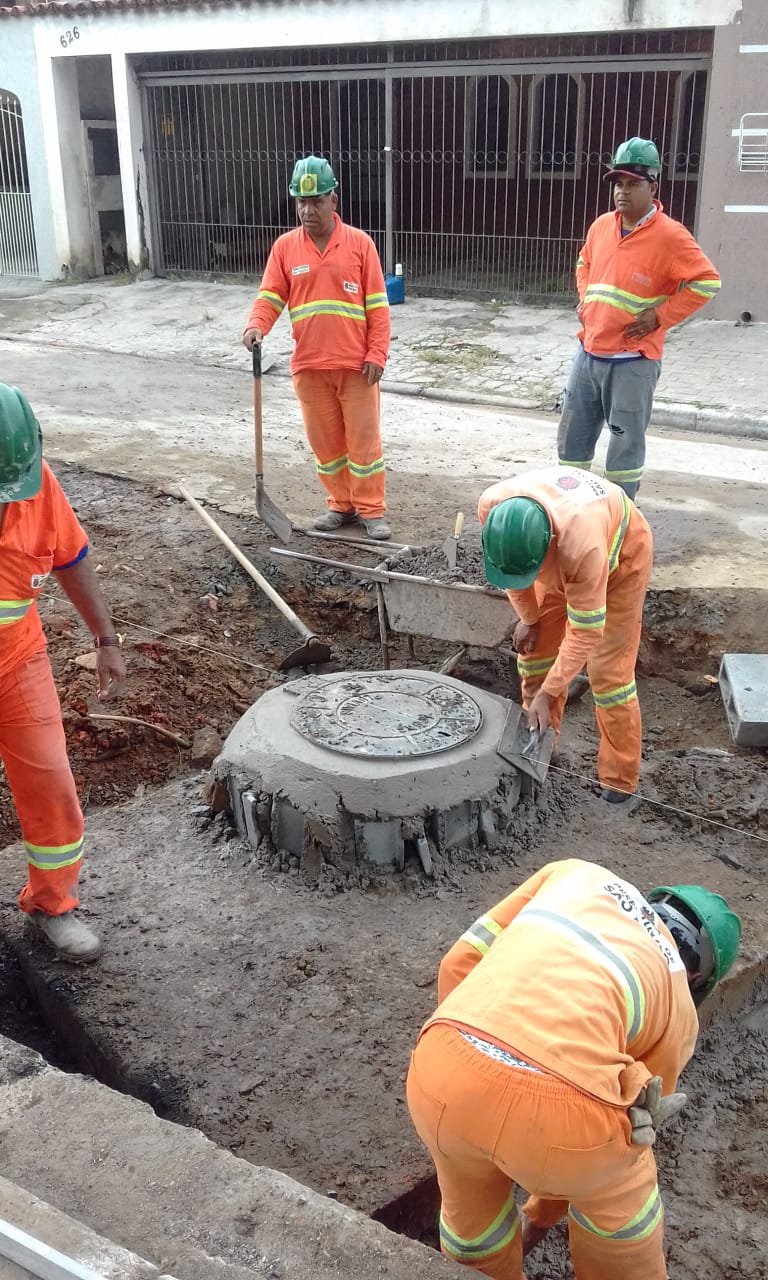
458, 612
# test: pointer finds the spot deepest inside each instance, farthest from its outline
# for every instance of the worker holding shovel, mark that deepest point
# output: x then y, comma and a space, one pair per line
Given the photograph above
40, 535
565, 1016
329, 276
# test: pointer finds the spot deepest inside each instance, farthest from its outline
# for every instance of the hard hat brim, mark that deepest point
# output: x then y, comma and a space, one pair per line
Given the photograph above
630, 173
508, 581
26, 488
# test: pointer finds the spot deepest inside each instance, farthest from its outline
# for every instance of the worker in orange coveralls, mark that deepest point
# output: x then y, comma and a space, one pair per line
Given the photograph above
574, 556
329, 276
40, 534
565, 1016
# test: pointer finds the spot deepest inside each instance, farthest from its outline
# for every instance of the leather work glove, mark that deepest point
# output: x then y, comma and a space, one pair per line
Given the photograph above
651, 1110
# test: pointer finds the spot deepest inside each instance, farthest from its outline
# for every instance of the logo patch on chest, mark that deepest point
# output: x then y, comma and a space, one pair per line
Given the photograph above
37, 580
349, 287
300, 271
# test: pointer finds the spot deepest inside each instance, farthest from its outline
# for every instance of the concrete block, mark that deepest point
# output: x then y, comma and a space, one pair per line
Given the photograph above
287, 827
380, 843
744, 687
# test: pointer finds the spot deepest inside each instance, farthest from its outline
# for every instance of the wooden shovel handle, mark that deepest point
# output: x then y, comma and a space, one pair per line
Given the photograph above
459, 524
257, 427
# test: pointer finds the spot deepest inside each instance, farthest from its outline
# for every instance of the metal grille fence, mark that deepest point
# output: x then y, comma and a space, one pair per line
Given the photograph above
18, 254
480, 181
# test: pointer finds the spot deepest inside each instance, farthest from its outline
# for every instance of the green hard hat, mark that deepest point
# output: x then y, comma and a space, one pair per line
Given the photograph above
638, 157
21, 447
516, 536
312, 176
703, 922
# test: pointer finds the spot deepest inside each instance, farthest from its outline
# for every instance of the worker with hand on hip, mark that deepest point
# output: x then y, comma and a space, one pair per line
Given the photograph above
40, 535
329, 276
574, 556
566, 1014
638, 274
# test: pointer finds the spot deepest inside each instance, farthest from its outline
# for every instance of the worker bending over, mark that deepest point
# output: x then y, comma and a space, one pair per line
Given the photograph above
574, 556
40, 535
329, 276
565, 1016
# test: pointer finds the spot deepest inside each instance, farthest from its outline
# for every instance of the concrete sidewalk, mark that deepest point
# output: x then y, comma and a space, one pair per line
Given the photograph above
479, 352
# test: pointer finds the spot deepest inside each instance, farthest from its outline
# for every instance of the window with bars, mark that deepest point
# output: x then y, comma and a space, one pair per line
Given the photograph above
490, 122
556, 122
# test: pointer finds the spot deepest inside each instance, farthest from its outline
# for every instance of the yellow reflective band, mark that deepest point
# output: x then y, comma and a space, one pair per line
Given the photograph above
369, 469
493, 1240
586, 619
328, 307
593, 944
616, 697
644, 1223
707, 288
535, 666
634, 473
374, 300
618, 538
634, 303
52, 857
273, 299
586, 465
482, 934
331, 468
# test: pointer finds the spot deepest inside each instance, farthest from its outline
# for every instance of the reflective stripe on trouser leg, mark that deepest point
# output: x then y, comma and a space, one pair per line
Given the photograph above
629, 402
611, 667
481, 1248
361, 408
324, 425
34, 751
633, 1250
583, 416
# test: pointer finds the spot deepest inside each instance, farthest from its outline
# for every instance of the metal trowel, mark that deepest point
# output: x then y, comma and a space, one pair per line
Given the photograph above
525, 748
451, 544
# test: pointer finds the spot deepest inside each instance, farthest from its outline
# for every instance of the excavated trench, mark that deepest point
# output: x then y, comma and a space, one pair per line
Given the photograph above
211, 655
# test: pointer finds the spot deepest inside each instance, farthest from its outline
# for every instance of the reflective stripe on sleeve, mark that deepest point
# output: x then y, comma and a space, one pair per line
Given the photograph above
482, 934
53, 857
374, 300
493, 1240
273, 299
707, 288
640, 1227
586, 619
595, 946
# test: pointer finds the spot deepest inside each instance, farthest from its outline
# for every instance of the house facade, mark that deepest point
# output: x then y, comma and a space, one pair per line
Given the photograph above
469, 140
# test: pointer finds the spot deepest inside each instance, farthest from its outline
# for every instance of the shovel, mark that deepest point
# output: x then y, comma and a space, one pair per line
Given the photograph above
265, 507
451, 544
525, 748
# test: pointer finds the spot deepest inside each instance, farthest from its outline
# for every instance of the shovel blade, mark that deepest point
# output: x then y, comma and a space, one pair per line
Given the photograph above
528, 752
450, 548
271, 514
313, 653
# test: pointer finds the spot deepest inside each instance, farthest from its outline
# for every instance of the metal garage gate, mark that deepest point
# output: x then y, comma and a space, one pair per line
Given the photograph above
481, 182
18, 254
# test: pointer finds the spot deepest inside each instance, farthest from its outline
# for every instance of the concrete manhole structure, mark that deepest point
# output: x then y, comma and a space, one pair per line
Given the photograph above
362, 768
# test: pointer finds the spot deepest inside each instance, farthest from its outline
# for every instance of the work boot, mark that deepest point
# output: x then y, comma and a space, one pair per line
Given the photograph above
377, 529
623, 801
333, 520
70, 938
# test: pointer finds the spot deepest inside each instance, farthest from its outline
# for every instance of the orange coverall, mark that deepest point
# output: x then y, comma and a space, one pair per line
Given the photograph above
588, 601
38, 536
555, 1009
337, 302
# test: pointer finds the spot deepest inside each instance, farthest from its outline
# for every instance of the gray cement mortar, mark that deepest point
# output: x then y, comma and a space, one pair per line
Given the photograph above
327, 806
431, 562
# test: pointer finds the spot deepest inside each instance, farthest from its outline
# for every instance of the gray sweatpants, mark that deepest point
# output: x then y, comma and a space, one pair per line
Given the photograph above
617, 392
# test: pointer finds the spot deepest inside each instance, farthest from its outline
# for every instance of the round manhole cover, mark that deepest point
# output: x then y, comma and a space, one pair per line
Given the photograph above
386, 716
